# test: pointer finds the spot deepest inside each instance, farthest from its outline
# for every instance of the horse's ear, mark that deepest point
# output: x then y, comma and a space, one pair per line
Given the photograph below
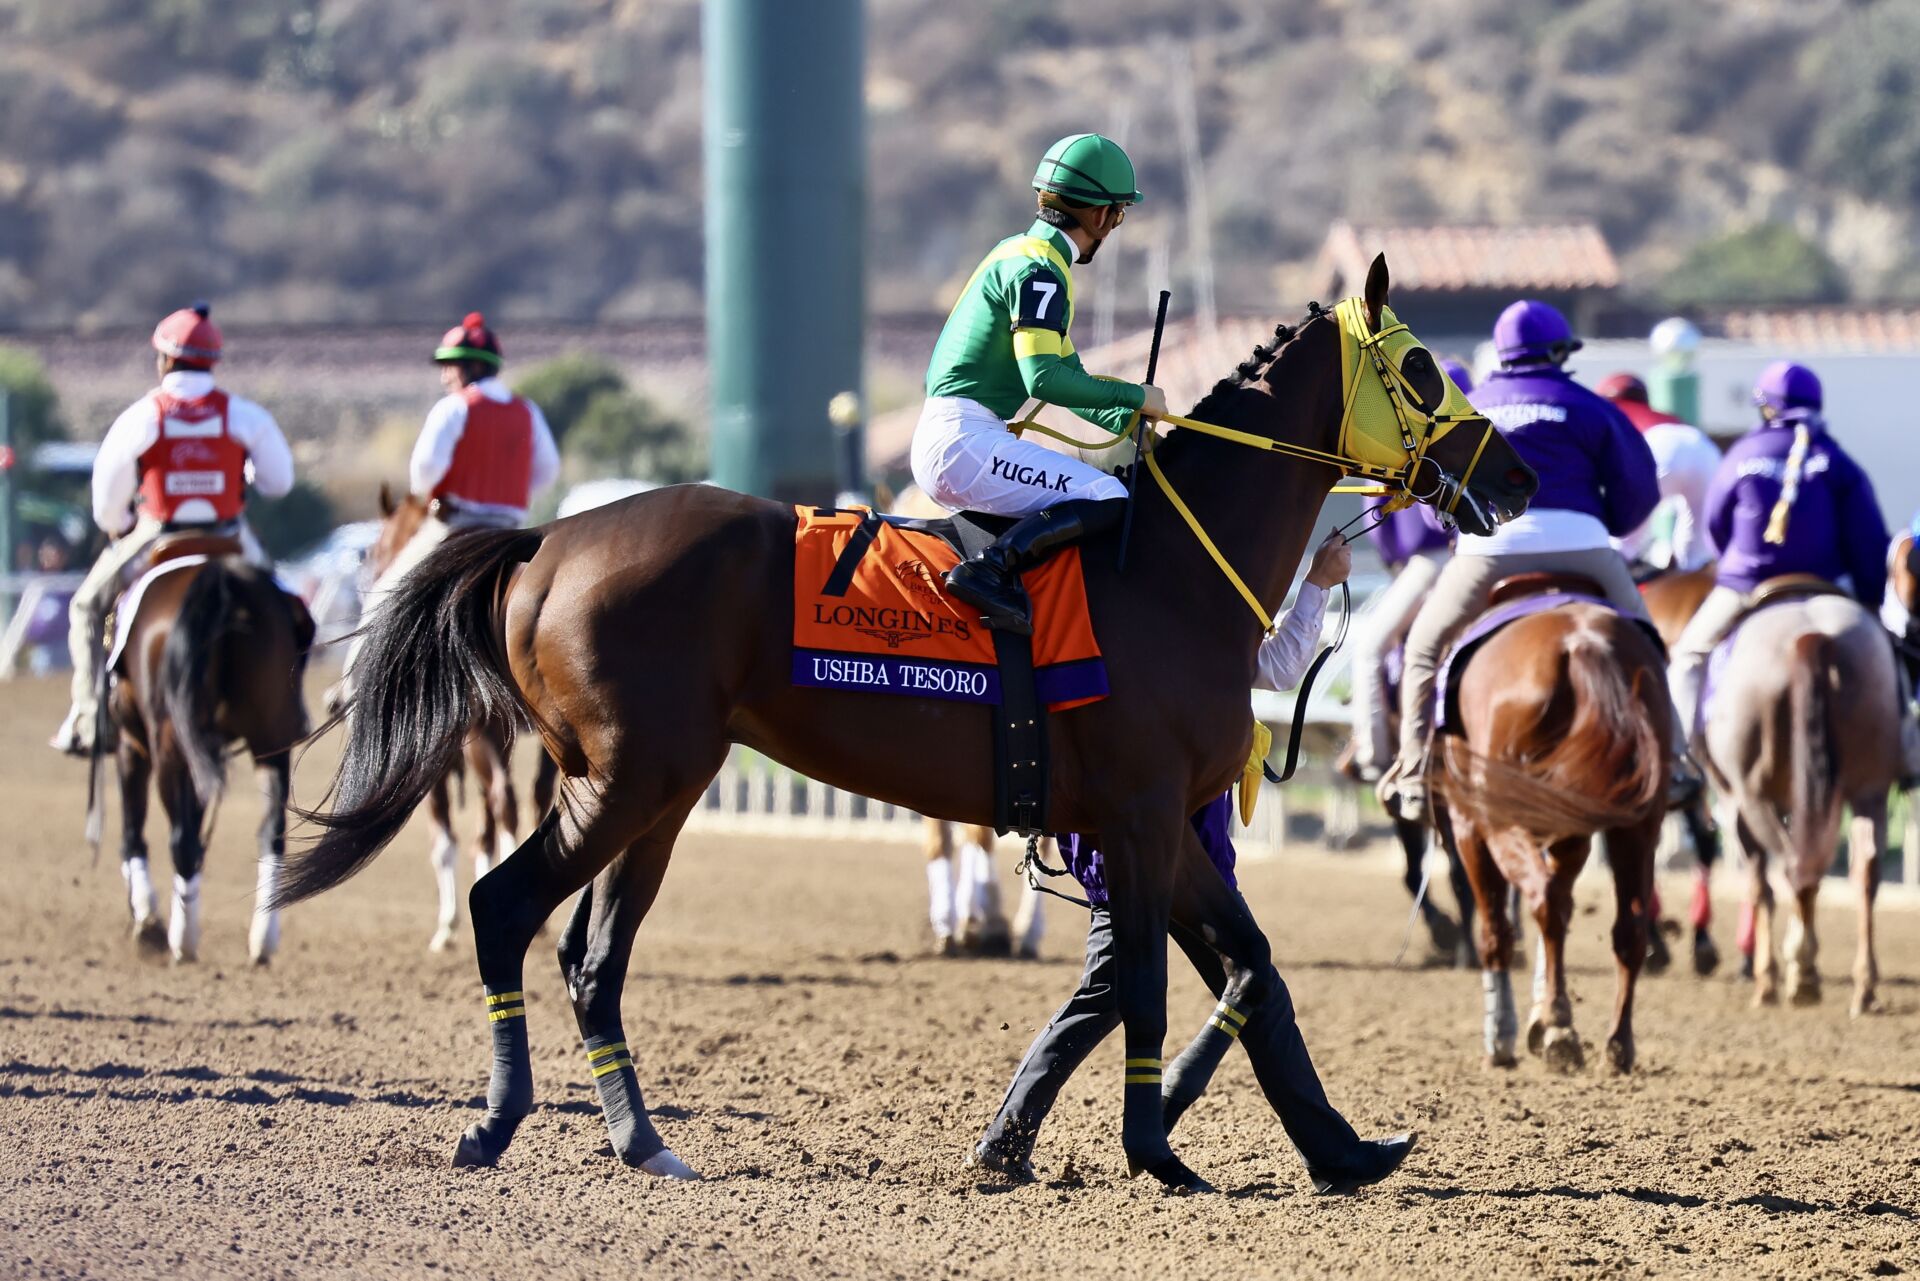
1376, 292
387, 505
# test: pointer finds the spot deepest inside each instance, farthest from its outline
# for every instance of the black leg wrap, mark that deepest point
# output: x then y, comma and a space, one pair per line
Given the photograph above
1142, 1132
1189, 1074
510, 1088
629, 1130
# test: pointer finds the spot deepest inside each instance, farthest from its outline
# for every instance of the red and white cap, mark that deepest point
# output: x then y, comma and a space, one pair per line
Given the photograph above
188, 335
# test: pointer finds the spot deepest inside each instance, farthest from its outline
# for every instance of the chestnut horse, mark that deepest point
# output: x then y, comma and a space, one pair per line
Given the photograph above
212, 655
488, 754
1564, 735
643, 638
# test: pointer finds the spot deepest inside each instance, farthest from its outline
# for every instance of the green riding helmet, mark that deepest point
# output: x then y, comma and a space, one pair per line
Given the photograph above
1089, 170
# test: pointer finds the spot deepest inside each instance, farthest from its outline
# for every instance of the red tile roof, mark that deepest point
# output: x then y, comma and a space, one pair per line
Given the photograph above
1451, 259
1828, 328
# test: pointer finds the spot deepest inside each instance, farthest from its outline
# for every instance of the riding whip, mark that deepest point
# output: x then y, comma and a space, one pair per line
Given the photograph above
1140, 425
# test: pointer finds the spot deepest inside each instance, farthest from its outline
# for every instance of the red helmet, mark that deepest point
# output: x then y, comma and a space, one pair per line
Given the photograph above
469, 340
1622, 386
188, 336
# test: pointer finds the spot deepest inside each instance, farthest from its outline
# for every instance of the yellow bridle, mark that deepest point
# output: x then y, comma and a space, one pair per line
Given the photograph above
1378, 437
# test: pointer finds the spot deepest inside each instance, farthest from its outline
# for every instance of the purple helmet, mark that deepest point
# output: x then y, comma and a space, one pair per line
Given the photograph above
1529, 332
1462, 377
1788, 391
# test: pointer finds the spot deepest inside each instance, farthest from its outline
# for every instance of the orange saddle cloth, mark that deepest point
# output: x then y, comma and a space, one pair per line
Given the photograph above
871, 612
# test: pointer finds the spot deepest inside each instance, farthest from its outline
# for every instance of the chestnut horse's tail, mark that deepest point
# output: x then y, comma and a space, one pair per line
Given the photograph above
1605, 770
1812, 728
432, 665
191, 668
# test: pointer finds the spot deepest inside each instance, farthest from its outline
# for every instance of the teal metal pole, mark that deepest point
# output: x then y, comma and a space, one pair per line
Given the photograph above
785, 189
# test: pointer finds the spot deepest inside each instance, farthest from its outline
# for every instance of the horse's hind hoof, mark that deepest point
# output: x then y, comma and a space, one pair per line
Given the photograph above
1563, 1052
1173, 1175
1863, 1004
441, 941
1706, 957
1536, 1036
1620, 1056
1805, 994
1659, 958
471, 1152
1503, 1057
150, 935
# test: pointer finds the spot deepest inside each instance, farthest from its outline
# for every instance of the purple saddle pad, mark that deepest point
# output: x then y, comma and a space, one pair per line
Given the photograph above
1446, 689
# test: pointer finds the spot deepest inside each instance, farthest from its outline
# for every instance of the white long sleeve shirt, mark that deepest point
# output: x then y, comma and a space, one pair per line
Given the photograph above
447, 421
1687, 460
116, 468
1286, 655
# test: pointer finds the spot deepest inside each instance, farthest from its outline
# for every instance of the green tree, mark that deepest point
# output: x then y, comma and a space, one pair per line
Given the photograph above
33, 407
605, 427
290, 524
564, 386
1765, 263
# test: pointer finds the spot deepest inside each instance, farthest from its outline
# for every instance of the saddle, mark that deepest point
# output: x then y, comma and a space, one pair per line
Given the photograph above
1788, 587
189, 542
872, 614
1518, 586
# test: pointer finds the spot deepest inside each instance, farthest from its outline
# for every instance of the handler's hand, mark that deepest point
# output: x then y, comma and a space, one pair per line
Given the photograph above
1332, 562
1155, 403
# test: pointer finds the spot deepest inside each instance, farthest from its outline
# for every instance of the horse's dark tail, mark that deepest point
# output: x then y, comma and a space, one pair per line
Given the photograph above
1812, 729
1605, 770
432, 664
191, 667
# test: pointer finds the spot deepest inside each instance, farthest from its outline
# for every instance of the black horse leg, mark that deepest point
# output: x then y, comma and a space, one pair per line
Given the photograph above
594, 953
184, 814
263, 938
136, 771
1465, 955
1141, 849
1706, 850
1440, 927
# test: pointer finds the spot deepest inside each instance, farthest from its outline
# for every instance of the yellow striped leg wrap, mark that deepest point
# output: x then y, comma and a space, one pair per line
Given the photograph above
603, 1059
506, 1005
1228, 1020
1143, 1071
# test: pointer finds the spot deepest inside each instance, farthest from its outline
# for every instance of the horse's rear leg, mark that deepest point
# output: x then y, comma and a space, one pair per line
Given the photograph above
184, 814
1760, 890
1866, 840
499, 806
1442, 931
508, 907
1489, 895
1803, 949
937, 841
593, 958
136, 771
1550, 1027
1706, 852
982, 928
1630, 856
263, 936
444, 855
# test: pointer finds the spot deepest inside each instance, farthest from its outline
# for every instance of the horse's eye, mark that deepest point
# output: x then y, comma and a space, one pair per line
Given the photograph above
1425, 378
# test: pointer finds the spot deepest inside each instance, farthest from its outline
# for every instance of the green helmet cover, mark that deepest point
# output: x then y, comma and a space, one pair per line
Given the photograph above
1088, 169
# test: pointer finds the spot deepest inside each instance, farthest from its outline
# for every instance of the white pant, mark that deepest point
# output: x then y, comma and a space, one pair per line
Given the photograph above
1703, 632
965, 459
1387, 620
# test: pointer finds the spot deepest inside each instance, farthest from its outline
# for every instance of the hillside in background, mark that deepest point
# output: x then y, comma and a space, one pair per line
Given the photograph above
312, 161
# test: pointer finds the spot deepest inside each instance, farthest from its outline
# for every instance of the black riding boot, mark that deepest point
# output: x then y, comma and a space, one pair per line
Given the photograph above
991, 580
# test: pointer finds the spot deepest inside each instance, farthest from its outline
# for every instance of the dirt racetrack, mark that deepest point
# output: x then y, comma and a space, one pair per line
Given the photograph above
804, 1052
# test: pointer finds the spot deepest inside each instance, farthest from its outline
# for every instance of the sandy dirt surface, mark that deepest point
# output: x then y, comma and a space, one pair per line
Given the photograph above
800, 1047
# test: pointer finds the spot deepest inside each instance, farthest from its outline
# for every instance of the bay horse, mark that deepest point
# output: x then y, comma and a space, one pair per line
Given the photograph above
643, 638
487, 753
212, 655
1804, 722
1564, 734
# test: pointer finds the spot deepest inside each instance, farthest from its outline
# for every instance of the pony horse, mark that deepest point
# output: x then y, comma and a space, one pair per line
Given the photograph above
211, 655
643, 638
1564, 734
1804, 721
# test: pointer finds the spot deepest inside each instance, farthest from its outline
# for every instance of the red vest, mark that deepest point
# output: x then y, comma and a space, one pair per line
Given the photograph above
193, 460
493, 463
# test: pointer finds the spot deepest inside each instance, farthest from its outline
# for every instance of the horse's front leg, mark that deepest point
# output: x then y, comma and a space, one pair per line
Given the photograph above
1630, 855
184, 813
263, 937
1489, 896
1765, 974
1867, 838
1141, 849
136, 771
1550, 1027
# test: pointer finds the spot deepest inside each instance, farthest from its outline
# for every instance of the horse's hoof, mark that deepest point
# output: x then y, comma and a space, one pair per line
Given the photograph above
1010, 1167
441, 941
1536, 1035
1706, 957
1765, 994
186, 957
1503, 1057
150, 935
665, 1165
1804, 993
1863, 1004
1444, 934
1563, 1052
1659, 958
472, 1153
1620, 1055
1173, 1175
1465, 957
262, 960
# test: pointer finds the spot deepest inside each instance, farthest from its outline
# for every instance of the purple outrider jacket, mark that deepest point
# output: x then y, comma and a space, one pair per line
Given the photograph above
1835, 527
1588, 456
1211, 824
1407, 533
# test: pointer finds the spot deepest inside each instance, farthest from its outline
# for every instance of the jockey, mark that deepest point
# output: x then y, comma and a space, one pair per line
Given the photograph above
1337, 1159
1686, 460
1597, 479
1413, 545
483, 454
1005, 341
1787, 500
179, 458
